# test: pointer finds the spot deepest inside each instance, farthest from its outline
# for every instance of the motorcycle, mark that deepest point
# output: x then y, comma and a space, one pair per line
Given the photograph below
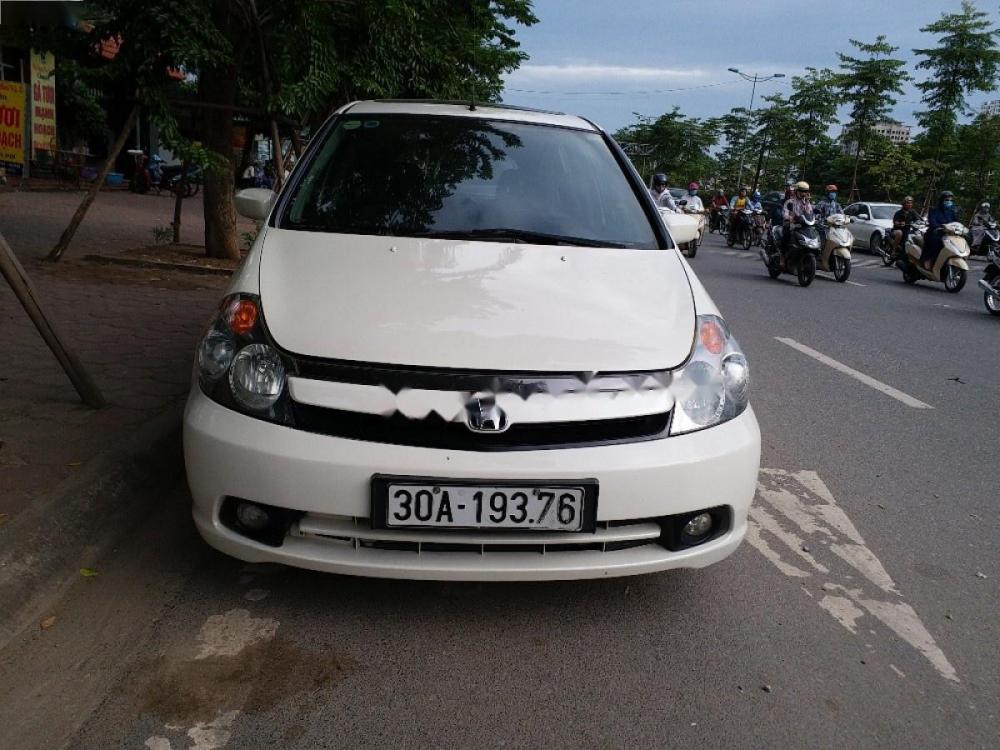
699, 214
742, 231
719, 220
991, 282
950, 268
988, 241
837, 242
803, 249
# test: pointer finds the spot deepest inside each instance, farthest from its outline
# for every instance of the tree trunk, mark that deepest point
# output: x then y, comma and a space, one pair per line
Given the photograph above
179, 201
219, 85
12, 270
67, 236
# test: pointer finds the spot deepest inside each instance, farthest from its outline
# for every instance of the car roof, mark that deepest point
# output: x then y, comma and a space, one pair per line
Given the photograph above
490, 111
877, 203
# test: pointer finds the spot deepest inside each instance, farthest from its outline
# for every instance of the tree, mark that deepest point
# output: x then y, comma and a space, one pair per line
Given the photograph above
307, 57
979, 151
870, 85
965, 60
814, 103
679, 145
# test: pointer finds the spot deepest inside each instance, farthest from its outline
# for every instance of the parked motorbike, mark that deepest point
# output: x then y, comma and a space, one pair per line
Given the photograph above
988, 241
837, 242
741, 230
950, 268
803, 248
991, 282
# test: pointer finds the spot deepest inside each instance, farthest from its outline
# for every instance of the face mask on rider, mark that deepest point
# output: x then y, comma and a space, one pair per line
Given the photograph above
948, 204
832, 196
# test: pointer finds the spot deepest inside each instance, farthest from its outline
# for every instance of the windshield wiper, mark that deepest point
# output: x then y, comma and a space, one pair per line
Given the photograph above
503, 234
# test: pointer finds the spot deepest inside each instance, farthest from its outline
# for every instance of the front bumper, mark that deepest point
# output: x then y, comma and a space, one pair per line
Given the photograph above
231, 455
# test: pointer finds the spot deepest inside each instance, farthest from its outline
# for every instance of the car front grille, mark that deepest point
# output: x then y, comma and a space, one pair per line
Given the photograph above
609, 536
435, 432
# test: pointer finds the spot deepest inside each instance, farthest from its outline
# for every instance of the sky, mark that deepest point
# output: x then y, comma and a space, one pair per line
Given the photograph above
607, 60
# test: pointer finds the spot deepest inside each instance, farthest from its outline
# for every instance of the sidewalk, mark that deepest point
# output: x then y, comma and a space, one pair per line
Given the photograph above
69, 475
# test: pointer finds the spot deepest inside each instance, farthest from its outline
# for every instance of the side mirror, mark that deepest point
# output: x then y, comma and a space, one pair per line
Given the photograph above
682, 203
863, 217
255, 203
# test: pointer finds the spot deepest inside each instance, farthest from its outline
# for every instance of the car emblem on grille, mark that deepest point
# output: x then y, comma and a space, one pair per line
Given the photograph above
483, 415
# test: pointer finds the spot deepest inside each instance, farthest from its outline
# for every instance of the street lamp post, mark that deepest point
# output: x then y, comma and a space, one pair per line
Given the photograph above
755, 78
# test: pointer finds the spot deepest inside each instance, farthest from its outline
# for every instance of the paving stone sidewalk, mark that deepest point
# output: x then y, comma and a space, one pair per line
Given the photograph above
134, 329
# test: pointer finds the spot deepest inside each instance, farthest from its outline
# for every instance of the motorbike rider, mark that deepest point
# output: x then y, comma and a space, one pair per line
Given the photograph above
902, 223
693, 201
719, 202
739, 201
755, 204
828, 205
980, 219
660, 194
943, 213
797, 207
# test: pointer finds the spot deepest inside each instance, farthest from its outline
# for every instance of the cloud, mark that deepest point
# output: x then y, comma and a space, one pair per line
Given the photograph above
589, 72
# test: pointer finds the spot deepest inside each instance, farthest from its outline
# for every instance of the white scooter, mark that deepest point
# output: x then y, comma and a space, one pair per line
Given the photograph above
836, 254
950, 268
990, 282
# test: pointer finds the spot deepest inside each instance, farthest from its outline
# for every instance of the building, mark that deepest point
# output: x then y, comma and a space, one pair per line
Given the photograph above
896, 132
990, 109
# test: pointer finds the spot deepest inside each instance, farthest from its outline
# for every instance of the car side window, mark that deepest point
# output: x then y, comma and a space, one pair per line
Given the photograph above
851, 210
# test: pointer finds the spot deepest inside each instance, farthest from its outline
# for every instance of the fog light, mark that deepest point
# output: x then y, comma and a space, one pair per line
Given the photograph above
252, 516
698, 526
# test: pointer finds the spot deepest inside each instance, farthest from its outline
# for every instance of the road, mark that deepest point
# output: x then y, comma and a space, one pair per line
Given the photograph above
862, 611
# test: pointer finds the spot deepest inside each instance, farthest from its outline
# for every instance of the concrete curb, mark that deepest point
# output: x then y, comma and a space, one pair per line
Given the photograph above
43, 548
116, 260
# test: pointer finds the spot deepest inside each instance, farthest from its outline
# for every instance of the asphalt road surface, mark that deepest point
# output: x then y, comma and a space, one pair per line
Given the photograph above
861, 611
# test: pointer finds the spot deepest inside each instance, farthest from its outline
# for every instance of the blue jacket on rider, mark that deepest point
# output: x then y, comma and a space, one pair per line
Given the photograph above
937, 218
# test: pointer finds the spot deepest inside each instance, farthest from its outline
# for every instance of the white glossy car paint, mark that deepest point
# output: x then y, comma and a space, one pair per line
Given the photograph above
477, 305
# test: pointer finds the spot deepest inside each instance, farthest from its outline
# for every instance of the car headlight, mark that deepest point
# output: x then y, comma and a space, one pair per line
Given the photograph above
714, 385
238, 365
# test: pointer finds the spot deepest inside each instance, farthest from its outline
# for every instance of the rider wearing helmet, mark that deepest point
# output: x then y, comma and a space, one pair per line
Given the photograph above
694, 203
797, 207
902, 223
662, 196
755, 203
829, 206
943, 213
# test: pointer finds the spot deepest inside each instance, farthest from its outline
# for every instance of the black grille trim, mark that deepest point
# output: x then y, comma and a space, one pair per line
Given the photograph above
435, 432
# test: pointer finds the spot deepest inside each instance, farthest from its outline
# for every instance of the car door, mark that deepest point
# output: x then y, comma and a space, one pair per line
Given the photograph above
863, 227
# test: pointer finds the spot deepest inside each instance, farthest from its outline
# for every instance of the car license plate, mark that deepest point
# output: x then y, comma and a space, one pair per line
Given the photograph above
421, 503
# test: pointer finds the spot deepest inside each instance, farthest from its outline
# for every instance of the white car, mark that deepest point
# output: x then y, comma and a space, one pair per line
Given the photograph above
871, 224
465, 347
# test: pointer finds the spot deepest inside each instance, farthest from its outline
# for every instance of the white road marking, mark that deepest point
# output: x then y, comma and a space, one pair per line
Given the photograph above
228, 634
213, 734
871, 382
796, 517
829, 277
158, 743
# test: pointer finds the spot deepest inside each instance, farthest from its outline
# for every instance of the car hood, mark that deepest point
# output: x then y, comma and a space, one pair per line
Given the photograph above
475, 305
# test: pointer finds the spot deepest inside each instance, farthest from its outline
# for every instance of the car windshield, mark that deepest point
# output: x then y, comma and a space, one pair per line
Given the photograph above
462, 177
884, 212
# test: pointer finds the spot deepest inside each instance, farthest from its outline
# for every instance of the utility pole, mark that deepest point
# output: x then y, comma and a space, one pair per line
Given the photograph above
755, 78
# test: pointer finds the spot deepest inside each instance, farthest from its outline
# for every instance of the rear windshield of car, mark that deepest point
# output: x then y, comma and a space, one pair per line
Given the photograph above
884, 212
460, 177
